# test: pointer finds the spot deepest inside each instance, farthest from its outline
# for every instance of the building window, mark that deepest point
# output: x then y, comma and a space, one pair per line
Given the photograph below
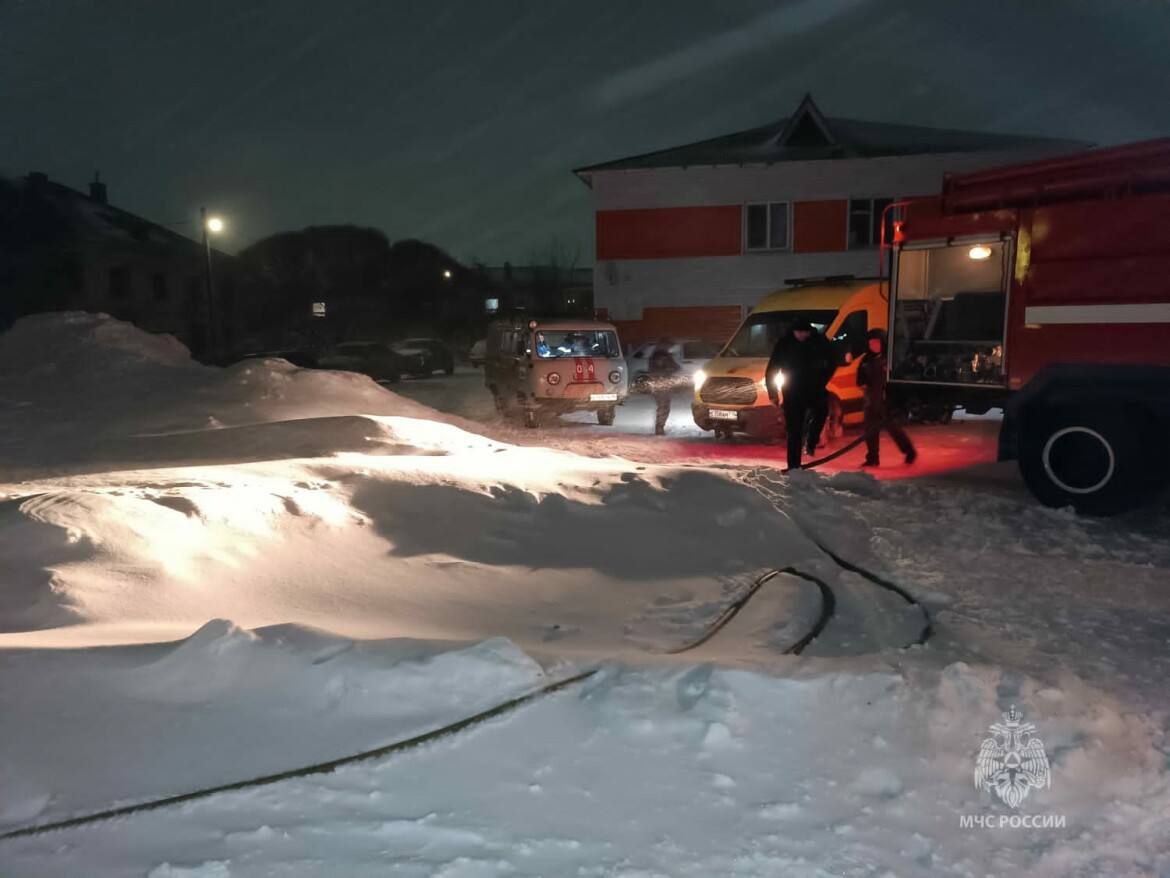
158, 285
865, 217
120, 282
767, 226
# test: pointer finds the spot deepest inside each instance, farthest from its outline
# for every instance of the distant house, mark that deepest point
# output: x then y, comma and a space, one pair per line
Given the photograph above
61, 249
541, 290
690, 237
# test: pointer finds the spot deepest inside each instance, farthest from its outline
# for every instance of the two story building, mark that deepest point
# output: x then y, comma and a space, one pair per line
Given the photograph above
691, 237
64, 249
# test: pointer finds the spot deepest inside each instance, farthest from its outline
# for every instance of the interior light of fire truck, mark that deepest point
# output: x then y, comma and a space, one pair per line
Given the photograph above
700, 377
980, 252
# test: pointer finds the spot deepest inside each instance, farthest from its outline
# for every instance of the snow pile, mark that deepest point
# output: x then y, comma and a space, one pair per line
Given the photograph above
481, 540
79, 346
79, 392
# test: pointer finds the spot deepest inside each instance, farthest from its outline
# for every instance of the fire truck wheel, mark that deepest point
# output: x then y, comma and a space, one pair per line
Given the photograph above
606, 416
1099, 461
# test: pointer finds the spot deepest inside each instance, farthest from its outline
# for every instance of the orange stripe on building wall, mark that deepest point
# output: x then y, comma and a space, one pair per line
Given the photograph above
669, 232
819, 226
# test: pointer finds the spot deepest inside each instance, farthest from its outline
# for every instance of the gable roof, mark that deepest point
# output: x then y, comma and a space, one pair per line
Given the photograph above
808, 135
97, 220
93, 218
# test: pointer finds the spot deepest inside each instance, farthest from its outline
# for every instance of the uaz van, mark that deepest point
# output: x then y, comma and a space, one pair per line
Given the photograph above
730, 396
534, 367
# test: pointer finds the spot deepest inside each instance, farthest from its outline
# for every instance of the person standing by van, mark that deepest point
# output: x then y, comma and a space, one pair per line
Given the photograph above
805, 361
871, 375
662, 367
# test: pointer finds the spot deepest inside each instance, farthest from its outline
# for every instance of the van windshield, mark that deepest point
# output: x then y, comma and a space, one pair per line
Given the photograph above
552, 343
760, 332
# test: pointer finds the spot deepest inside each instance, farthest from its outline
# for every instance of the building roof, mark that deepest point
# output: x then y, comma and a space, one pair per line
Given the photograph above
808, 135
95, 218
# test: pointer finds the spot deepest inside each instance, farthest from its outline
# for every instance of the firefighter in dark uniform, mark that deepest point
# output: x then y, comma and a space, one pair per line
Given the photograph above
663, 368
804, 358
871, 375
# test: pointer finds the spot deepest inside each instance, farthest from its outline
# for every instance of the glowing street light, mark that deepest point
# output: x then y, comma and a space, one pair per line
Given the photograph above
213, 224
446, 274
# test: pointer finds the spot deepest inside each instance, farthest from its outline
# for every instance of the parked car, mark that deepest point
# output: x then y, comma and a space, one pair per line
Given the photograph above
424, 356
374, 358
478, 353
540, 367
691, 354
305, 359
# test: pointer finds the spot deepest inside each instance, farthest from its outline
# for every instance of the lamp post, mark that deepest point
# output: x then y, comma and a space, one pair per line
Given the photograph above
210, 225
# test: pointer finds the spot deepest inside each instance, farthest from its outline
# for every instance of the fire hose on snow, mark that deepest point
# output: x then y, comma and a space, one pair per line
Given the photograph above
880, 581
828, 608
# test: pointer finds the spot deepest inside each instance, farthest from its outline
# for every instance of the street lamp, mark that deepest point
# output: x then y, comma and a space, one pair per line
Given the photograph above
447, 273
214, 225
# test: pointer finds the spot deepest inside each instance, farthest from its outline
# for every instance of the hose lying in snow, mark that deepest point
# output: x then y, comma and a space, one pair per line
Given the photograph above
844, 449
828, 607
880, 581
318, 768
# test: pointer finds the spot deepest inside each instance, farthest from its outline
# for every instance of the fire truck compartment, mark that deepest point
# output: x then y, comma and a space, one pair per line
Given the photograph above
949, 309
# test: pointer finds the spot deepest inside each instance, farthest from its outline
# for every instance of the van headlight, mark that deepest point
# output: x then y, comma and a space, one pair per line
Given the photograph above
700, 377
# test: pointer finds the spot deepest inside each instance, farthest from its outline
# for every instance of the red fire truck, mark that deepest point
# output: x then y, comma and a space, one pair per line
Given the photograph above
1044, 288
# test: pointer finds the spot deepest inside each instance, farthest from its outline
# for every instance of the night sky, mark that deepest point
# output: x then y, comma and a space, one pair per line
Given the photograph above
459, 122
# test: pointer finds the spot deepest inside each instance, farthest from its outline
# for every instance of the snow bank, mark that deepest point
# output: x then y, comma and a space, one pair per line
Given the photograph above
81, 392
76, 345
461, 539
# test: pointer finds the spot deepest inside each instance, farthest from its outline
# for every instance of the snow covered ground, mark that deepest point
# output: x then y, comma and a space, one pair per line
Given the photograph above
964, 450
212, 575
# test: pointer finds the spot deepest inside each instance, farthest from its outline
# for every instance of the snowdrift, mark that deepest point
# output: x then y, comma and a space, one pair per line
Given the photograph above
85, 391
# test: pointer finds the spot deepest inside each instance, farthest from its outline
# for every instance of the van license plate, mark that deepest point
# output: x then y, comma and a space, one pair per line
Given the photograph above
718, 415
603, 397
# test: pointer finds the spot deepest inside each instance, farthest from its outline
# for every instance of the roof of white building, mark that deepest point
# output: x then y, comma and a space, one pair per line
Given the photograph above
808, 135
